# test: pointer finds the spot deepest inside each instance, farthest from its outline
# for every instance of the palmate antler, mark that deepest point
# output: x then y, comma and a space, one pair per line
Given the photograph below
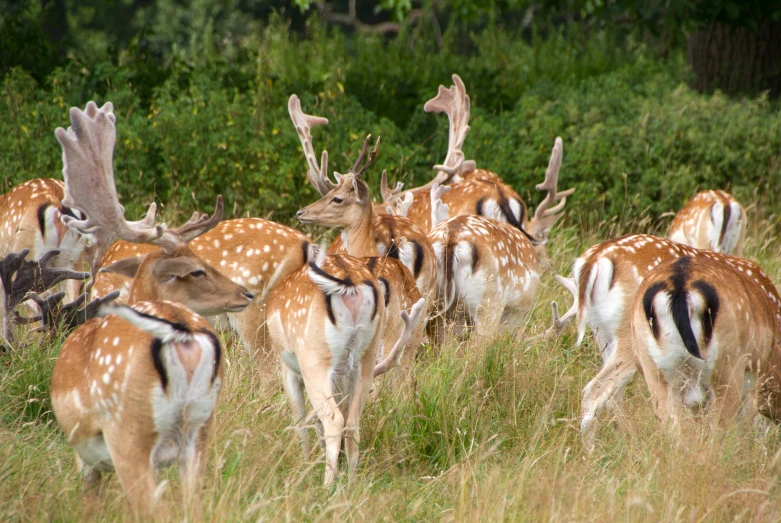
87, 154
317, 173
546, 214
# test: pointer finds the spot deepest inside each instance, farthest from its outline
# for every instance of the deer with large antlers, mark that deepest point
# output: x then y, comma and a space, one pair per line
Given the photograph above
366, 233
326, 320
349, 206
478, 191
605, 282
137, 390
704, 330
712, 220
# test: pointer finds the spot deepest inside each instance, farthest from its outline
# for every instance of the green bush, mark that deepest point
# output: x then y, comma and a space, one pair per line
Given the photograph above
636, 138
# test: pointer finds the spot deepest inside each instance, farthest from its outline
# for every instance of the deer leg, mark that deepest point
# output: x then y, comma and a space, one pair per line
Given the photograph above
134, 470
318, 385
729, 391
294, 387
606, 386
359, 393
192, 464
253, 332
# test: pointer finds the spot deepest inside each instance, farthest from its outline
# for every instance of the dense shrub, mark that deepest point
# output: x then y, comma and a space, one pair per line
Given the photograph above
637, 139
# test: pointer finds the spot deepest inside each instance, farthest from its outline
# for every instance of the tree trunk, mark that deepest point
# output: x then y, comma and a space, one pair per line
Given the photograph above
737, 59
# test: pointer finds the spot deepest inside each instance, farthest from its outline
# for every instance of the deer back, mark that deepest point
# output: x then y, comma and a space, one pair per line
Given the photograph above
712, 220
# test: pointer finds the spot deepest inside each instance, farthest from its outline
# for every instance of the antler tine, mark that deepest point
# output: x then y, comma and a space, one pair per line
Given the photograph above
439, 211
317, 173
455, 103
87, 153
387, 192
558, 323
199, 223
410, 320
360, 170
551, 185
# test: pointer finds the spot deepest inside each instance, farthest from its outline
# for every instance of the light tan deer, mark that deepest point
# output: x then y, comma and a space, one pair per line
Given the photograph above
393, 236
137, 390
478, 191
712, 220
704, 331
252, 252
605, 281
487, 267
349, 206
326, 320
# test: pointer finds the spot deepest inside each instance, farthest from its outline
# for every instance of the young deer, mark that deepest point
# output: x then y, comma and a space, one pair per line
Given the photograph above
605, 281
252, 252
137, 389
348, 206
712, 220
326, 320
478, 191
386, 235
704, 330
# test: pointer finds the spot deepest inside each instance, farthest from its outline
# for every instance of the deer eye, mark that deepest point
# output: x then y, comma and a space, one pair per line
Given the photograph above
337, 200
198, 274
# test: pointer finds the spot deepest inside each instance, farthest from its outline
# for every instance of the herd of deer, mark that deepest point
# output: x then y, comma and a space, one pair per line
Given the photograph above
135, 387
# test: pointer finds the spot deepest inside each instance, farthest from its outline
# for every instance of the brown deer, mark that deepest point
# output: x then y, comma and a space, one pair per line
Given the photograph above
349, 206
704, 330
137, 389
477, 191
712, 220
393, 236
326, 320
605, 281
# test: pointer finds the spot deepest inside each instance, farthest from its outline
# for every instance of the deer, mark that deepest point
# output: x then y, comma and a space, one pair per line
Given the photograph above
137, 389
349, 206
605, 281
252, 252
704, 331
393, 236
712, 220
326, 321
477, 191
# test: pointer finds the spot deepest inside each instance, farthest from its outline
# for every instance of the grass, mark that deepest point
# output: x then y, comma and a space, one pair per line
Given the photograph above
489, 433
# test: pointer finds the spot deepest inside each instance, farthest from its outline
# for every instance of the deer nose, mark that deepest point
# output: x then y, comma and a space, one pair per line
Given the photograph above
300, 213
247, 294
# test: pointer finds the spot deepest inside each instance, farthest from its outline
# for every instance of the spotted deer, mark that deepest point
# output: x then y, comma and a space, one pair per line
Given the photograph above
704, 331
605, 281
712, 220
479, 191
487, 267
393, 236
349, 206
136, 390
252, 252
326, 321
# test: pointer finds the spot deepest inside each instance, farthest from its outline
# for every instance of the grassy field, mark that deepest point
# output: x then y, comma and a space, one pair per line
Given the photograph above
484, 433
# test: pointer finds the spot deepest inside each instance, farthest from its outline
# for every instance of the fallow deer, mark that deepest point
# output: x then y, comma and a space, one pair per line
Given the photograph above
349, 206
326, 320
704, 331
605, 281
392, 236
478, 191
137, 390
712, 220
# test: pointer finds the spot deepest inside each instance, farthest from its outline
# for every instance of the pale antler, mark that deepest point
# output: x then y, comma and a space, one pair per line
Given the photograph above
387, 192
88, 149
559, 322
317, 173
455, 103
402, 205
545, 215
439, 210
410, 320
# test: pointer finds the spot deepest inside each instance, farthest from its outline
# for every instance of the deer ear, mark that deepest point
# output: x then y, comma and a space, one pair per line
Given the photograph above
127, 267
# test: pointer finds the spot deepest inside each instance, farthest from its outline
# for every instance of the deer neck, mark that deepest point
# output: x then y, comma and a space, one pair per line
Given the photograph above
142, 292
359, 238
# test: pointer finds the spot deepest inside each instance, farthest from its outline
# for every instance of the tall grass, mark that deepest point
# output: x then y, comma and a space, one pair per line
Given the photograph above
483, 433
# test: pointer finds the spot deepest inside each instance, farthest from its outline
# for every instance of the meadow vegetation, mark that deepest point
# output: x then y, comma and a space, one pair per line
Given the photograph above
484, 432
